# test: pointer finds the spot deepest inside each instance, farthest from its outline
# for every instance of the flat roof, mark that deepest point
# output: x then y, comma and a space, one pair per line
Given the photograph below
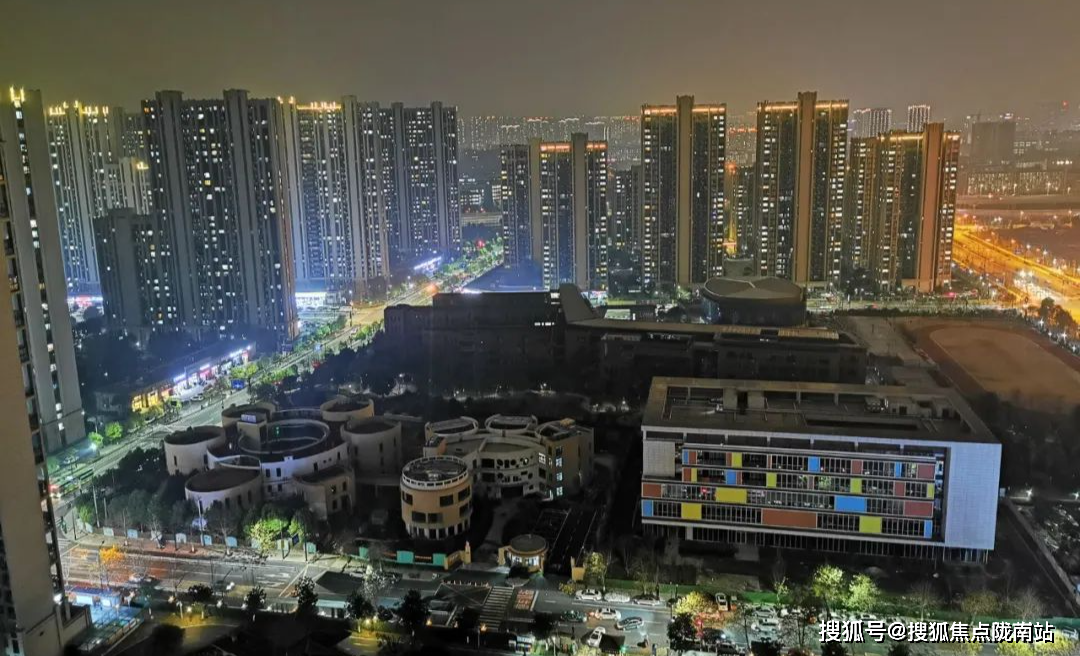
813, 409
759, 288
436, 469
195, 435
221, 478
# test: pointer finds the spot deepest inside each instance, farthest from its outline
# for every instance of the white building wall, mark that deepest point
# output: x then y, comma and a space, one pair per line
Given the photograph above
971, 495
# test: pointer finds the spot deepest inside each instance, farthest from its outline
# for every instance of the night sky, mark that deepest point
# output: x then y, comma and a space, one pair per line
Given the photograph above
552, 57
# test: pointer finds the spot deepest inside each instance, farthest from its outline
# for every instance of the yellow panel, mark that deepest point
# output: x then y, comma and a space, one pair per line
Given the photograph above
692, 511
731, 495
736, 460
770, 479
869, 525
693, 474
856, 486
929, 490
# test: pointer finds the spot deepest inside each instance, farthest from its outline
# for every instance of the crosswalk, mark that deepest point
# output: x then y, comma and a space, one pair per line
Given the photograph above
496, 605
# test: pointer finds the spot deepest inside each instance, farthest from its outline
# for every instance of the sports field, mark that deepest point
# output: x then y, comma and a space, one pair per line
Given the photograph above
1007, 359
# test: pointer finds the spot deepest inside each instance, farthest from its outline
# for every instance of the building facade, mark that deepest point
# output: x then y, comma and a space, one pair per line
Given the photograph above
843, 468
799, 189
624, 214
870, 122
900, 216
420, 181
436, 497
515, 198
917, 117
222, 213
682, 187
740, 208
126, 250
37, 284
30, 574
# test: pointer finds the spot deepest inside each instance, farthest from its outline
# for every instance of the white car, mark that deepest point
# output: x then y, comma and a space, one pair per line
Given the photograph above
617, 597
721, 602
588, 595
767, 625
646, 600
607, 614
594, 638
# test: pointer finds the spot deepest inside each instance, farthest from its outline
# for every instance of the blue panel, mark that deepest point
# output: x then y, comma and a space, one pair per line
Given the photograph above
928, 529
685, 457
646, 508
850, 504
899, 470
814, 464
731, 477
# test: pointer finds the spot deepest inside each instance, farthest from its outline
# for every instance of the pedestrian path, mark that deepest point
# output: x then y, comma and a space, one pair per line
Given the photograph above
495, 606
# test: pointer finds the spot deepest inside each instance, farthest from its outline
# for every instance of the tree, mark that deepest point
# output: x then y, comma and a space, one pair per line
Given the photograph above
543, 626
112, 563
96, 438
596, 567
863, 594
113, 431
645, 570
795, 627
828, 584
181, 513
413, 611
833, 649
695, 603
1027, 605
302, 525
306, 597
923, 597
980, 603
681, 633
743, 617
200, 593
255, 600
223, 522
358, 606
266, 532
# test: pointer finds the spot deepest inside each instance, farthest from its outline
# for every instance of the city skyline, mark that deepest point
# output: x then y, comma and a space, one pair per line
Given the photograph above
449, 55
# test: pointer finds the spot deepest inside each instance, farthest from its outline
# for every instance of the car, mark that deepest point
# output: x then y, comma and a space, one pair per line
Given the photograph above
588, 595
727, 649
607, 614
647, 600
712, 635
71, 460
629, 623
866, 617
593, 639
139, 578
573, 616
766, 625
617, 597
1068, 633
721, 602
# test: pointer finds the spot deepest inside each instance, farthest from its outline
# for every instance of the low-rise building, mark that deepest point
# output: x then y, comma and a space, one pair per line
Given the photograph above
874, 470
515, 456
186, 450
436, 497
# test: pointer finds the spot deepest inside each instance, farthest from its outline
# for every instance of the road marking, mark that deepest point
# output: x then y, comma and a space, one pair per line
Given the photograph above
293, 581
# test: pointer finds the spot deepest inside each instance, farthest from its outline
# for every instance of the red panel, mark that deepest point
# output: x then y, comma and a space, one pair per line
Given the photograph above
727, 458
919, 508
686, 474
926, 471
856, 467
650, 489
898, 488
693, 457
793, 518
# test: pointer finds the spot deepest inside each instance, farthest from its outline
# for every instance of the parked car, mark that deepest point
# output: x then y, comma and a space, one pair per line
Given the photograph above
573, 616
648, 600
629, 623
607, 614
721, 602
617, 597
589, 595
766, 625
711, 635
594, 638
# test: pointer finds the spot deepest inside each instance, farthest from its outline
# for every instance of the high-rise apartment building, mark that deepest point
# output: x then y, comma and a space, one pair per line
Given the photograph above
624, 217
127, 248
515, 197
222, 216
900, 217
682, 208
339, 230
420, 181
799, 188
37, 285
871, 121
739, 188
917, 117
480, 132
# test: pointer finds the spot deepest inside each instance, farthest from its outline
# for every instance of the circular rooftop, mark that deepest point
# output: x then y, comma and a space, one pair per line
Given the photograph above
220, 479
434, 471
261, 411
450, 427
528, 544
509, 423
369, 426
764, 289
346, 404
285, 438
195, 435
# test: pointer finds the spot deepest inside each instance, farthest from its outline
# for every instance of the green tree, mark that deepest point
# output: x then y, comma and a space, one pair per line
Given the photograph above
979, 603
266, 532
201, 593
681, 633
181, 514
306, 597
863, 594
796, 627
255, 600
133, 424
96, 438
743, 617
302, 525
413, 611
113, 431
358, 606
828, 584
695, 603
223, 522
596, 567
923, 597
